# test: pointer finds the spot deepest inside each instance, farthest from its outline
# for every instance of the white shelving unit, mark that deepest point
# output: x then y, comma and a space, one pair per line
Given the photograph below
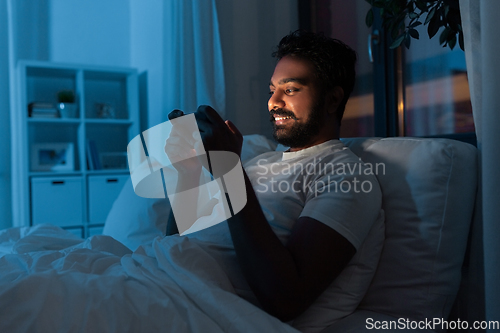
79, 197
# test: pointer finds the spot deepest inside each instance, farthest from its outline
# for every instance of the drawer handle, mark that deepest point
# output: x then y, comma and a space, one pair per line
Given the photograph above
58, 182
112, 180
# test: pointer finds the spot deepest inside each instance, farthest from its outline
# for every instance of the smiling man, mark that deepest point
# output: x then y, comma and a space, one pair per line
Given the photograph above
310, 87
295, 106
304, 220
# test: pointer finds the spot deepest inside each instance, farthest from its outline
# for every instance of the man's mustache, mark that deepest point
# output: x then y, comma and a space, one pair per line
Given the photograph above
280, 113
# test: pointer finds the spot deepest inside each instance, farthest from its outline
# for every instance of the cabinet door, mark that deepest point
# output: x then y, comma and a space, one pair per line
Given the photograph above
103, 191
57, 201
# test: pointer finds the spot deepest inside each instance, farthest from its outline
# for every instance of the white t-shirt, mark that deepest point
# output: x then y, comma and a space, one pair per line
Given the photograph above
351, 213
326, 182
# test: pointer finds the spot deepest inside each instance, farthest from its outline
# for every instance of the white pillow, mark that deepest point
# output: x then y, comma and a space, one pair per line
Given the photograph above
428, 193
135, 221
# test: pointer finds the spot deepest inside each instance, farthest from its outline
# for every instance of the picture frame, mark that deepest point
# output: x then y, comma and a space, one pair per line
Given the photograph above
53, 156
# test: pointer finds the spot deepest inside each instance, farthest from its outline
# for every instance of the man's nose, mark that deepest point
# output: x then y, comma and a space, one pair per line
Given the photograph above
276, 101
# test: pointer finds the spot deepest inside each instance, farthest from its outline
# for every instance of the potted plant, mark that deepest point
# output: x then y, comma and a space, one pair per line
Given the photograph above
66, 104
401, 17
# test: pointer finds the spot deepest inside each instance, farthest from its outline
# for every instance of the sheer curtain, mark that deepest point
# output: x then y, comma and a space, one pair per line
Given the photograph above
193, 67
482, 44
183, 57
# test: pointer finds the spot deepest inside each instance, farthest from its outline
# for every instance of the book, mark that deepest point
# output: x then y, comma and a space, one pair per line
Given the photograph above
40, 105
44, 115
42, 110
95, 155
90, 161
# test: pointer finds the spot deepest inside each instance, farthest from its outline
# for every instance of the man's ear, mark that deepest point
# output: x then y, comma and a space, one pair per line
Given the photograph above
335, 97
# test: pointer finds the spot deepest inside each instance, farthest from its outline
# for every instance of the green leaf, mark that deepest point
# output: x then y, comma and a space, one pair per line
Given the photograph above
452, 42
430, 15
453, 19
421, 5
413, 15
414, 33
446, 10
397, 42
461, 40
444, 36
410, 6
433, 26
407, 42
369, 18
415, 24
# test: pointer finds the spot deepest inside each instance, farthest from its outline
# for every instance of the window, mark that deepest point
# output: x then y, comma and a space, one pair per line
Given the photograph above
422, 91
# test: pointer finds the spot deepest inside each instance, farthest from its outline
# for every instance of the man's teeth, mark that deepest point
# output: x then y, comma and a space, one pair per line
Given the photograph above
281, 118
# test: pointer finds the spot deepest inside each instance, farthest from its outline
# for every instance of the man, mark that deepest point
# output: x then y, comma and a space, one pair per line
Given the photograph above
303, 221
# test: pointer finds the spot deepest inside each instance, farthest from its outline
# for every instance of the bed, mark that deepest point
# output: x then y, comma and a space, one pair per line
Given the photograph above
52, 281
133, 279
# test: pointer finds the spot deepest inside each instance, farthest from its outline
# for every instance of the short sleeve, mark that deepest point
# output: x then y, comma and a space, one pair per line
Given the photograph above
348, 202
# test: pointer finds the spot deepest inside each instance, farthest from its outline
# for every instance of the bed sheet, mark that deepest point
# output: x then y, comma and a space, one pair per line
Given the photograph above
53, 281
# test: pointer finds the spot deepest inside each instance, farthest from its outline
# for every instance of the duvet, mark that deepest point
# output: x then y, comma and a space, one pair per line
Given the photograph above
53, 281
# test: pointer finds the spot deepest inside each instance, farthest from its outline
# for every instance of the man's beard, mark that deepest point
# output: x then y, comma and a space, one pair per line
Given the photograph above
297, 135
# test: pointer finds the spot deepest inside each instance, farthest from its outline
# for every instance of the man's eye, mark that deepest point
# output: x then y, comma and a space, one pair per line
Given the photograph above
271, 92
290, 91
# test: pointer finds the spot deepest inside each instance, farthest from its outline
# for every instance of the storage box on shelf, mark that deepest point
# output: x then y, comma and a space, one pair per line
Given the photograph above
70, 166
103, 190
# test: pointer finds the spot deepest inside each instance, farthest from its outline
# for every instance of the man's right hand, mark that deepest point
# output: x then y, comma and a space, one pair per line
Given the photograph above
183, 148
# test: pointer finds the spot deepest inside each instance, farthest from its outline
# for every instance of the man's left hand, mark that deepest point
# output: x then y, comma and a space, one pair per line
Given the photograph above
216, 133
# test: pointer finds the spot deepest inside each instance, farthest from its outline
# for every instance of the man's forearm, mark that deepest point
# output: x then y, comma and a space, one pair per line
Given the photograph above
187, 185
267, 264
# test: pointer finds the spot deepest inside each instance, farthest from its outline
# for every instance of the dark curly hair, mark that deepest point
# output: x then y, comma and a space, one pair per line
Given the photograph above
334, 61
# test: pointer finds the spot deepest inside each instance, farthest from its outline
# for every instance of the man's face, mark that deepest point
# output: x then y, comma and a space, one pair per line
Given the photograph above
295, 106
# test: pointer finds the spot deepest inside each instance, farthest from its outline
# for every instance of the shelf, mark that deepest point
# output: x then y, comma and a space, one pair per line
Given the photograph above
64, 121
107, 119
54, 173
106, 92
107, 171
43, 69
77, 121
78, 173
43, 83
